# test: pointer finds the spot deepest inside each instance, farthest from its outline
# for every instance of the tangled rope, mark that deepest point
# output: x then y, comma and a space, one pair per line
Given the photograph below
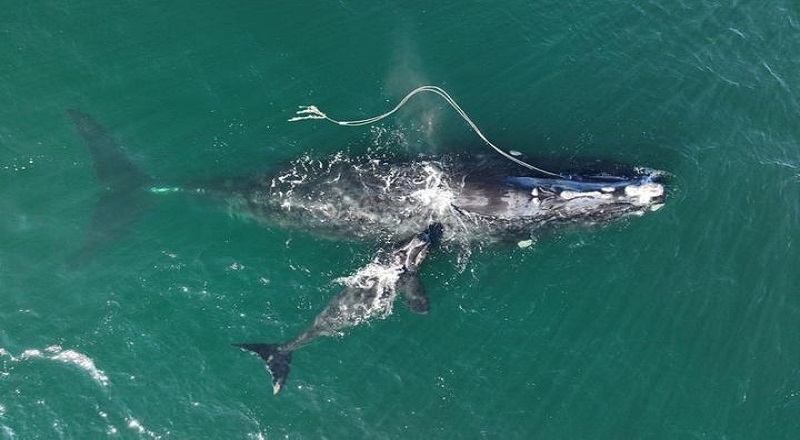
312, 112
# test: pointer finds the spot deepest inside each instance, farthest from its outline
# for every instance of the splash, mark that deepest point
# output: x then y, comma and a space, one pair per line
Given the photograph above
380, 279
136, 426
435, 194
56, 353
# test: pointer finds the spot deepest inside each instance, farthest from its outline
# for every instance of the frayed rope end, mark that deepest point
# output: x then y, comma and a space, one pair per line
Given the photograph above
308, 112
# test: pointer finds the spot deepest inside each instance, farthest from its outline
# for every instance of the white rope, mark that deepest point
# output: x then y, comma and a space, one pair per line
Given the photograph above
312, 112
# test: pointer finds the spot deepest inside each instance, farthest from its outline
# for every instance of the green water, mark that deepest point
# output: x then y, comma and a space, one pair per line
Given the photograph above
681, 324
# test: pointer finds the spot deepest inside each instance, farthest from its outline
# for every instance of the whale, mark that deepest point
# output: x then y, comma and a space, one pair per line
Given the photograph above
403, 204
369, 293
383, 199
478, 199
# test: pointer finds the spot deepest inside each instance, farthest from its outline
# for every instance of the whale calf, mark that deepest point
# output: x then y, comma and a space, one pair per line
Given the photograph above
369, 293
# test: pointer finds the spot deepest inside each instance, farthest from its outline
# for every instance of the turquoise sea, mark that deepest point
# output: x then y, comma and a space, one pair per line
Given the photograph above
681, 324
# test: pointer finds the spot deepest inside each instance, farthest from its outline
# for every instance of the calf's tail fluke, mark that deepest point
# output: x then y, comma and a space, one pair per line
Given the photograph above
277, 359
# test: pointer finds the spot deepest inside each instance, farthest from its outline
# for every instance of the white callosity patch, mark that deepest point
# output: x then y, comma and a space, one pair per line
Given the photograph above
645, 193
569, 195
72, 357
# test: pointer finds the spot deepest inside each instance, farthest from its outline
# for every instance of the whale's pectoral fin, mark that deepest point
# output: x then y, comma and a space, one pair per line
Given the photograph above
277, 360
414, 294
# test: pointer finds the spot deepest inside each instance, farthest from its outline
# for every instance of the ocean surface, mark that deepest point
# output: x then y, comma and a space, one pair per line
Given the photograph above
681, 324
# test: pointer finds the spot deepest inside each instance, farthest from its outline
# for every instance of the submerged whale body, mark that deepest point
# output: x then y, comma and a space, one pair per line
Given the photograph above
370, 293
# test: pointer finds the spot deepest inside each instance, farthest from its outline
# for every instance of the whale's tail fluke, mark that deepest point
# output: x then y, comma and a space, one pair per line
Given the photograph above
277, 359
123, 184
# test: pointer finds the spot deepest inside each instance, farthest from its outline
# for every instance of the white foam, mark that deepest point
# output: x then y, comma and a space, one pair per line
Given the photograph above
569, 195
56, 353
83, 362
434, 194
8, 432
135, 425
382, 279
30, 353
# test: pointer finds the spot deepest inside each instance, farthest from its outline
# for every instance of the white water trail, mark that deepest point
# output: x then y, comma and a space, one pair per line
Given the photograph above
58, 354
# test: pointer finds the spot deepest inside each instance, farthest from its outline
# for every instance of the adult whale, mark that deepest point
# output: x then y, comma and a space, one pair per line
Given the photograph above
477, 199
384, 199
380, 198
369, 293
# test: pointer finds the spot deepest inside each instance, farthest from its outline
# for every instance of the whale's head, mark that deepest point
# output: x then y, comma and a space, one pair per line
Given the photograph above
594, 198
583, 198
412, 252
